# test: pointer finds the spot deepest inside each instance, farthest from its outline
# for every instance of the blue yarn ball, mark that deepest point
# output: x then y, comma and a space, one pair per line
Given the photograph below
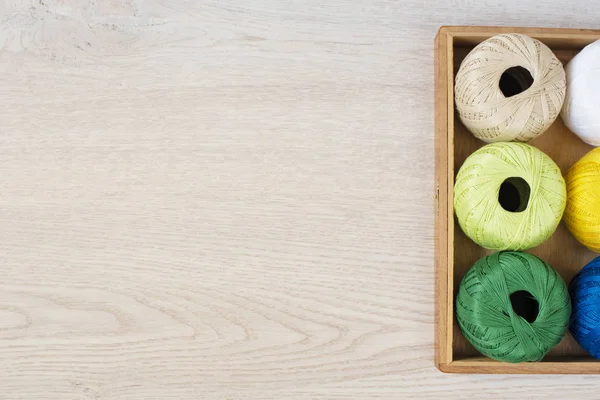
585, 300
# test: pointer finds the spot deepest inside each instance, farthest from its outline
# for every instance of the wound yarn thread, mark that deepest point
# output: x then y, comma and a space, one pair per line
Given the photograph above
496, 307
509, 196
527, 109
585, 298
582, 215
582, 103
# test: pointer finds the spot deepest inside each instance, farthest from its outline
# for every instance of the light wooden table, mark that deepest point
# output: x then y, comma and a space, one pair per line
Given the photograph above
228, 199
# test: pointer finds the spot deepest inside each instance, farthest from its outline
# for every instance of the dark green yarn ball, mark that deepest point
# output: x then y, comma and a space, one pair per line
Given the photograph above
513, 307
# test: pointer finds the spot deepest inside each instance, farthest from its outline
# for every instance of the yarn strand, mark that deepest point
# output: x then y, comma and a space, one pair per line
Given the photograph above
477, 193
582, 215
485, 312
486, 111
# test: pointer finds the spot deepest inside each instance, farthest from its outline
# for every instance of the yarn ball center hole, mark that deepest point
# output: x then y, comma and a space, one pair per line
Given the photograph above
515, 80
525, 305
514, 194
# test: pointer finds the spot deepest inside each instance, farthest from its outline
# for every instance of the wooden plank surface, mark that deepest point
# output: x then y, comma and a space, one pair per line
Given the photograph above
443, 311
229, 200
553, 365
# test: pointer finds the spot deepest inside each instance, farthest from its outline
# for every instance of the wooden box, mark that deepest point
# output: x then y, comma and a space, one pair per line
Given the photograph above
455, 253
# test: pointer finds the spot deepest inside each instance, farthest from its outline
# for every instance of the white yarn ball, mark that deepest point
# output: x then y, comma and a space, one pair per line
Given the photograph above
581, 110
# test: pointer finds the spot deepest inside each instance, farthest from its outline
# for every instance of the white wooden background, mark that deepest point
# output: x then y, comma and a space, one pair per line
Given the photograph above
229, 199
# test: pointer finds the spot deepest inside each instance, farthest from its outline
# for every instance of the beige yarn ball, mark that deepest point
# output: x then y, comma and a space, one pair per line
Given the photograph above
509, 87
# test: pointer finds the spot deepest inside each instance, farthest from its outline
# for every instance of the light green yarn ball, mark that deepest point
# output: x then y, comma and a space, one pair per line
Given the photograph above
509, 196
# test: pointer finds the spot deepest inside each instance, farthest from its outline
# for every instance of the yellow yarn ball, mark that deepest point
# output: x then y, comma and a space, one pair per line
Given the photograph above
582, 215
509, 196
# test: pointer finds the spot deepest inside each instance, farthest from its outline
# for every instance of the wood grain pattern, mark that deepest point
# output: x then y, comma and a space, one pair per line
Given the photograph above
443, 335
228, 200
